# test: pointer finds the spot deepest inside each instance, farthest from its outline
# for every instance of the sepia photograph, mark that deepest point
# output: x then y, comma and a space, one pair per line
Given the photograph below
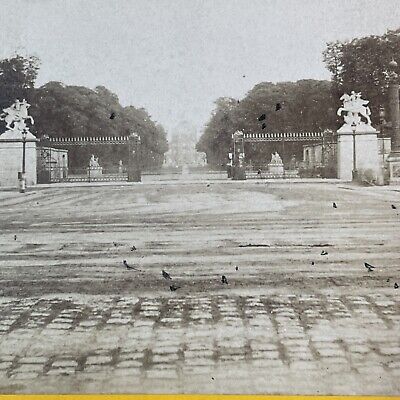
200, 197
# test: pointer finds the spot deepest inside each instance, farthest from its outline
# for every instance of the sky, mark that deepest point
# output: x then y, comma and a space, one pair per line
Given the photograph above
176, 57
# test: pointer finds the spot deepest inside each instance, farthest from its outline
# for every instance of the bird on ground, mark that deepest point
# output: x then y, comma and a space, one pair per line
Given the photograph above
15, 237
128, 266
166, 275
394, 207
278, 106
334, 205
237, 268
173, 287
224, 280
263, 126
133, 248
112, 116
115, 244
396, 286
261, 117
324, 253
312, 262
369, 267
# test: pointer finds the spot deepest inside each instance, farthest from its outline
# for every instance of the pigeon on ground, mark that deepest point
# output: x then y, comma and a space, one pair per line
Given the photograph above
173, 287
312, 262
224, 280
133, 248
394, 207
369, 267
261, 117
396, 286
324, 253
166, 275
127, 265
334, 205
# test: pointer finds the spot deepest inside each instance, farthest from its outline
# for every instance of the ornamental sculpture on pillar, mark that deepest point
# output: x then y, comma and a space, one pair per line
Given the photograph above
355, 107
16, 115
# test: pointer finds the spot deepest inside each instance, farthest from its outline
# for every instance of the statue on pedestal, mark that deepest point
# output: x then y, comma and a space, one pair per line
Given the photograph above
276, 165
94, 162
276, 158
94, 168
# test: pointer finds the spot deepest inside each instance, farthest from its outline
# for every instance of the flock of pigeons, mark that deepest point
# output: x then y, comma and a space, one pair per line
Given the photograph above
368, 266
224, 280
173, 287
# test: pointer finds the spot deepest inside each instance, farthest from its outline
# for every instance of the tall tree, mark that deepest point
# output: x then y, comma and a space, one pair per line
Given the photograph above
217, 136
362, 65
17, 79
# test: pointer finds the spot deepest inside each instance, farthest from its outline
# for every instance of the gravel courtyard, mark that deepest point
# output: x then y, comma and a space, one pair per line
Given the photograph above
290, 320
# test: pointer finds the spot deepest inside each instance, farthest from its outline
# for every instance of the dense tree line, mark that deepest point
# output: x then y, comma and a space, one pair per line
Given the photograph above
76, 111
362, 65
306, 105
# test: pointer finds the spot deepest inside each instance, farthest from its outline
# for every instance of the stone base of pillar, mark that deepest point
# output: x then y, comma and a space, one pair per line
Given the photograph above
134, 175
239, 174
394, 167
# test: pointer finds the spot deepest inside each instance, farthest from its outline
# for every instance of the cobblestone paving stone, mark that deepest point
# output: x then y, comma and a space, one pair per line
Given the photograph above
195, 343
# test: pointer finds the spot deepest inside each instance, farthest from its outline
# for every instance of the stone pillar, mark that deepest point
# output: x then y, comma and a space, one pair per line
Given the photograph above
238, 170
366, 151
11, 159
394, 156
134, 162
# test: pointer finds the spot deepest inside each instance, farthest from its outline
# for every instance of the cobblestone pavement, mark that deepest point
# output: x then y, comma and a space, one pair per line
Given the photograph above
202, 343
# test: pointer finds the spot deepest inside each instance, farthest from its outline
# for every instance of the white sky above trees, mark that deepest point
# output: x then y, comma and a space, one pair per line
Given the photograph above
175, 57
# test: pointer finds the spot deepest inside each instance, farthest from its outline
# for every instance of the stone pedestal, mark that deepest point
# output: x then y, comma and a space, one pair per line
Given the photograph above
394, 168
94, 172
276, 169
11, 158
238, 173
366, 151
